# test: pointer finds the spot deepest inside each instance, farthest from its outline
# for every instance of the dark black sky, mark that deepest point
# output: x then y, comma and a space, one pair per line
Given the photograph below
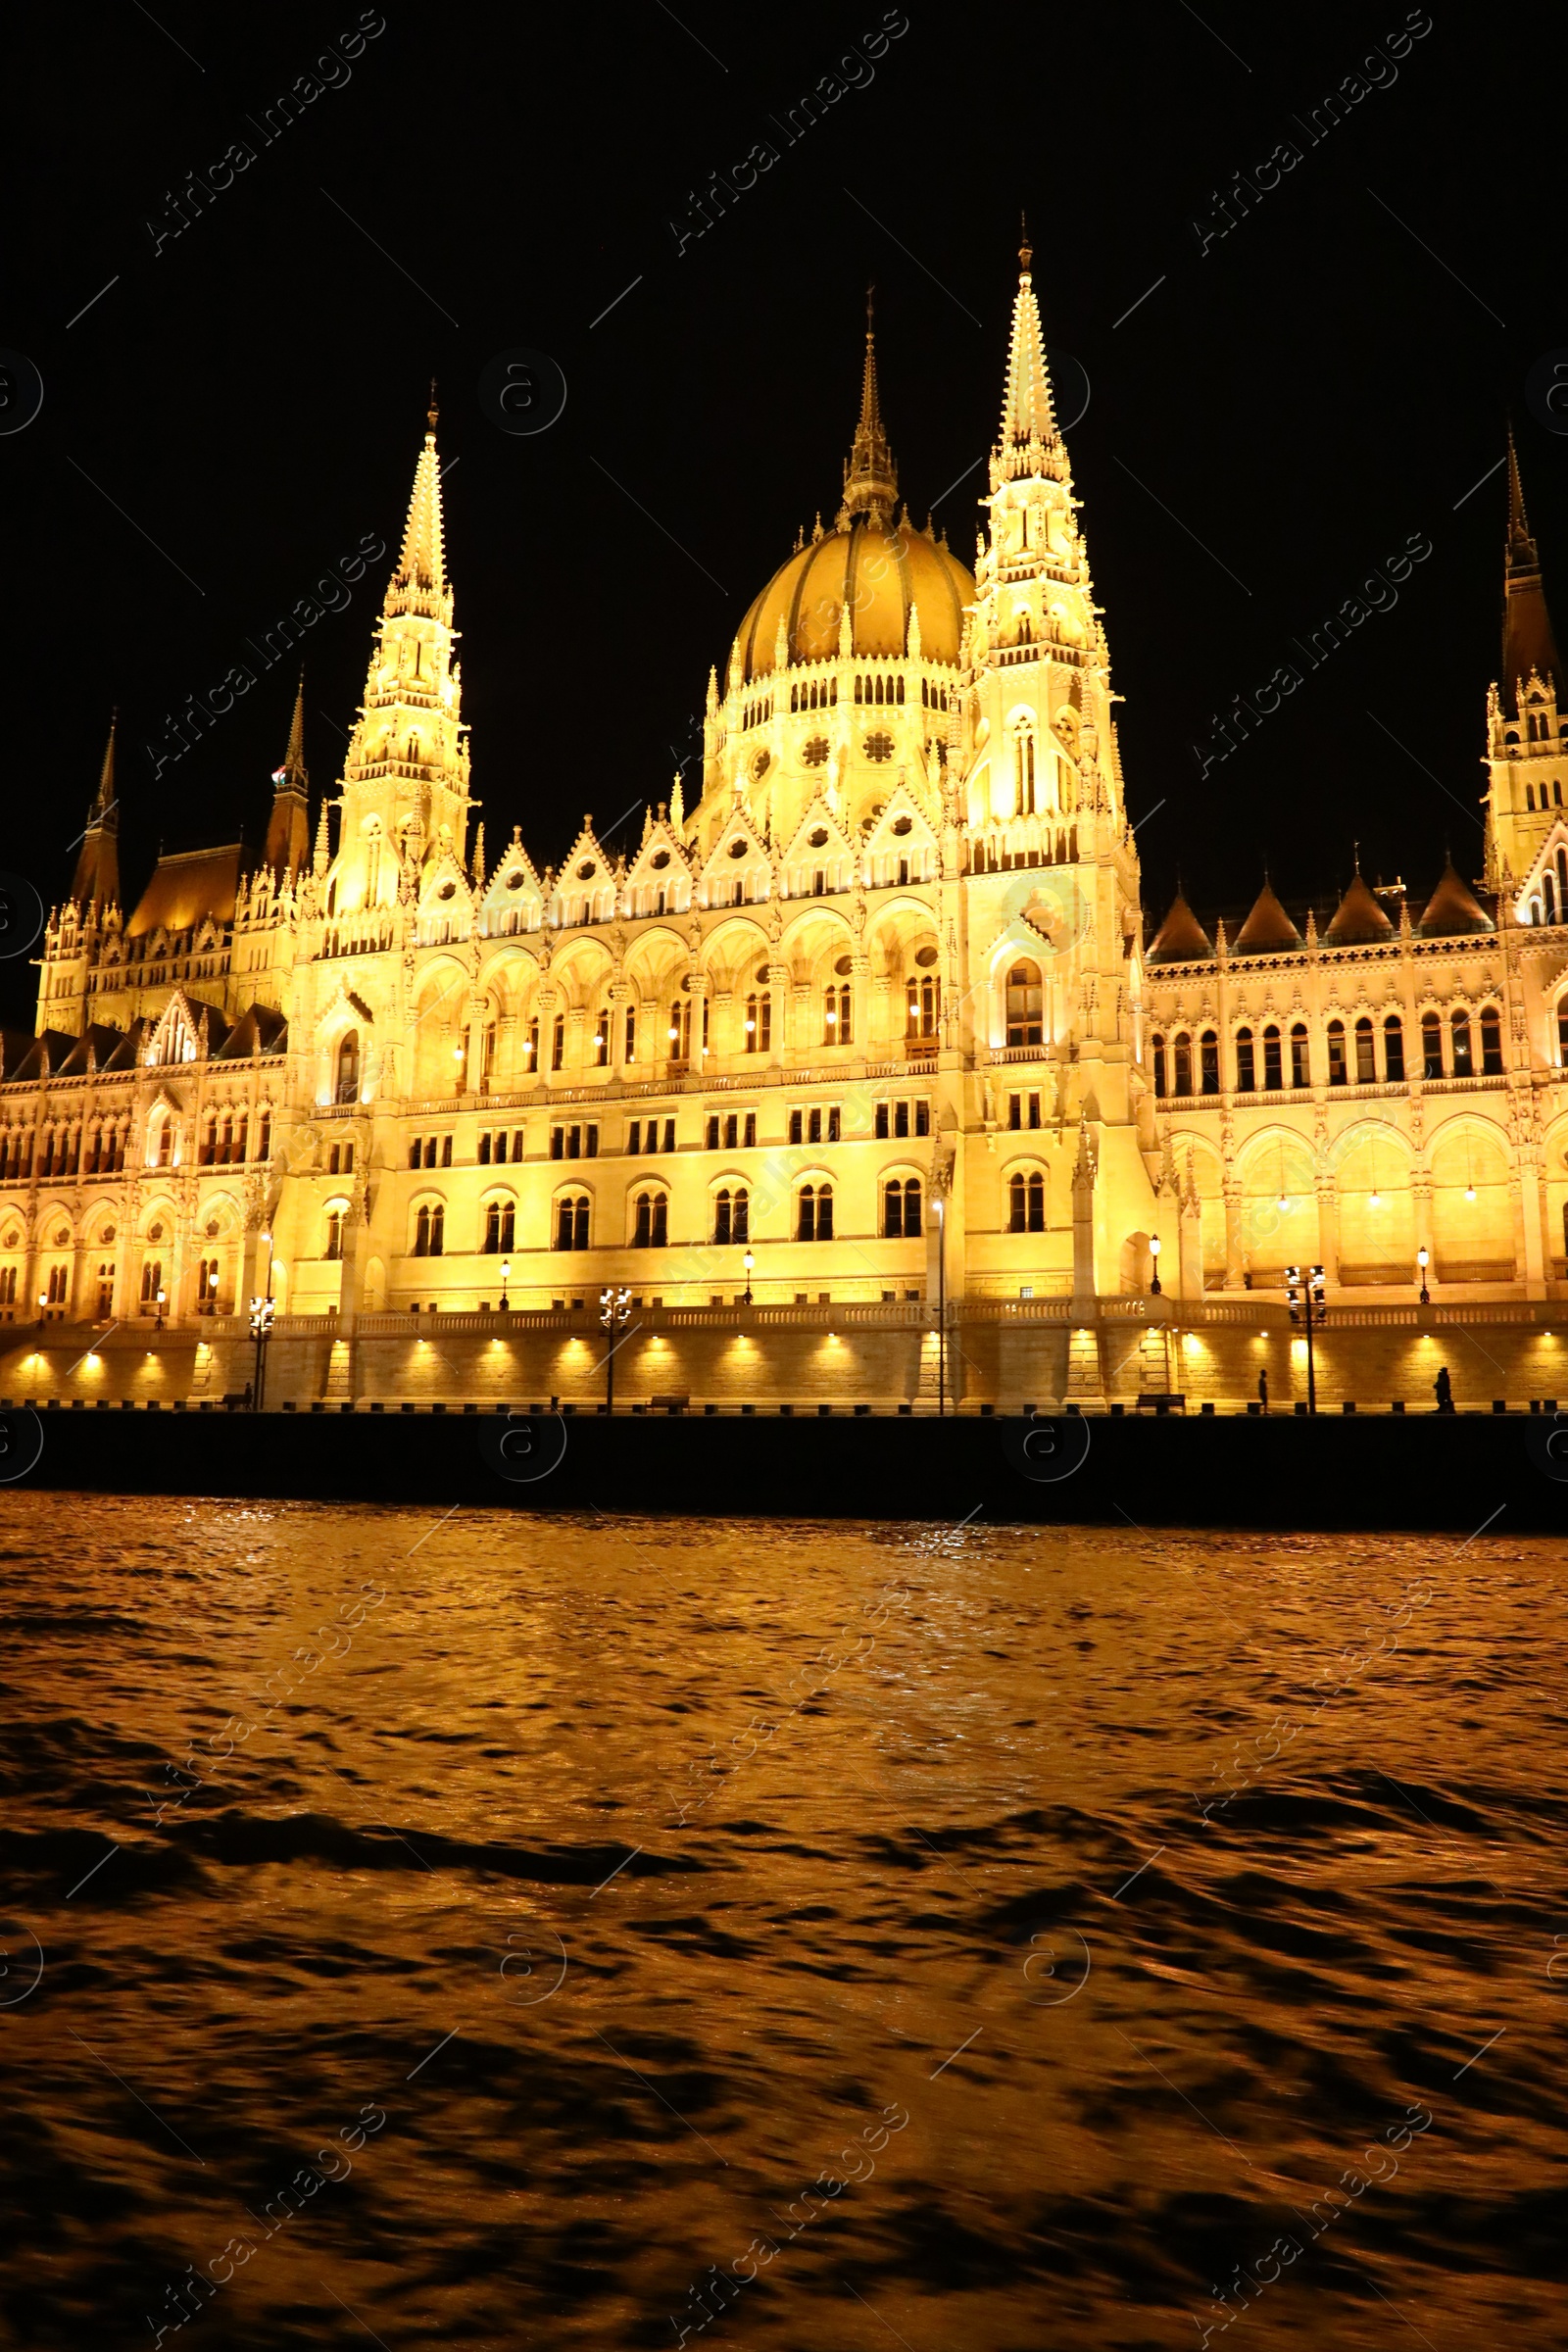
1320, 384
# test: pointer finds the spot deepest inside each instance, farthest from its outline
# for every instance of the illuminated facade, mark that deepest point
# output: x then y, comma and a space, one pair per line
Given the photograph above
867, 1025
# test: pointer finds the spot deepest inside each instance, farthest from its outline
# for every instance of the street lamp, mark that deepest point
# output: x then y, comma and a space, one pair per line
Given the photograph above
506, 1276
1309, 1305
1153, 1279
159, 1322
939, 1206
1423, 1258
748, 1261
43, 1306
614, 1313
262, 1312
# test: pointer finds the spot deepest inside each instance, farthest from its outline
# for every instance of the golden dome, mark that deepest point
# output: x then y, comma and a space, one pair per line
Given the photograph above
883, 571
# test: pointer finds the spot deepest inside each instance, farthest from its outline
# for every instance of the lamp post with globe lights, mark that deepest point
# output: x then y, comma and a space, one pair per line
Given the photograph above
1423, 1258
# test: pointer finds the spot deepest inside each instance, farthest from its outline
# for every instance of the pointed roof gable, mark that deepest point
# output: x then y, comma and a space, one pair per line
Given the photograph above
260, 1030
93, 1050
1181, 938
1358, 920
1528, 642
1268, 927
1029, 442
1453, 909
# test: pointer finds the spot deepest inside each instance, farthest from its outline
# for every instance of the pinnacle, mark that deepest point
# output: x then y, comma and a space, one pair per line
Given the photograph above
1028, 417
870, 477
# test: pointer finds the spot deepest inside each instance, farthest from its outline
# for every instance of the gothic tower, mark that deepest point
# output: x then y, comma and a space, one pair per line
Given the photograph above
96, 880
288, 829
1041, 787
1527, 729
404, 792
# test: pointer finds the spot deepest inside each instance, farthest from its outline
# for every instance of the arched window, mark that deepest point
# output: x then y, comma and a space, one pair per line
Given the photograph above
152, 1279
1272, 1078
759, 1023
1548, 893
571, 1221
422, 1231
348, 1067
1431, 1046
1246, 1062
1208, 1062
208, 1146
1301, 1064
814, 1213
1462, 1064
1492, 1040
731, 1214
1393, 1049
1339, 1074
207, 1286
499, 1224
1182, 1084
837, 1023
900, 1208
1157, 1051
650, 1219
263, 1144
334, 1233
1366, 1068
1026, 1006
241, 1132
922, 1002
1026, 750
1026, 1203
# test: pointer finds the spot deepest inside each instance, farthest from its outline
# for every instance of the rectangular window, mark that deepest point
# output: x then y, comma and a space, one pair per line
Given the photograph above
484, 1152
669, 1135
574, 1143
1431, 1046
796, 1128
923, 1117
558, 1143
631, 1033
1208, 1062
1490, 1041
634, 1136
814, 1126
1272, 1058
901, 1118
446, 1150
414, 1152
882, 1122
558, 1042
1014, 1111
1300, 1072
750, 1136
1393, 1051
731, 1132
530, 1051
1365, 1064
590, 1142
833, 1124
712, 1135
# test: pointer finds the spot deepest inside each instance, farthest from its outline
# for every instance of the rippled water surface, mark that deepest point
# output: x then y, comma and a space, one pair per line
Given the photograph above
522, 1931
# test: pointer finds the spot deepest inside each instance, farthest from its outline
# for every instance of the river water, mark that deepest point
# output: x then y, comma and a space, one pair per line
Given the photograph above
526, 1931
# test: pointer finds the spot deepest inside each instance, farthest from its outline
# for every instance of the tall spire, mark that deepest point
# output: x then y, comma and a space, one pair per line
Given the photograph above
870, 477
97, 874
420, 583
1029, 441
1528, 642
288, 828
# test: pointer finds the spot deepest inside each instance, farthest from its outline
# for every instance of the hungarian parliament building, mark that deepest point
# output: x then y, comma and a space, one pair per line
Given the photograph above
862, 1074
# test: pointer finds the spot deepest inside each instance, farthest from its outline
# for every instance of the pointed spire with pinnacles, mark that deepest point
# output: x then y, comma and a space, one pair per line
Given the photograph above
288, 828
420, 583
97, 874
1529, 644
870, 477
1029, 442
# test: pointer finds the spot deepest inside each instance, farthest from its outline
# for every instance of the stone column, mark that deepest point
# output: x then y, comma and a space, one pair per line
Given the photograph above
1328, 1227
1233, 1234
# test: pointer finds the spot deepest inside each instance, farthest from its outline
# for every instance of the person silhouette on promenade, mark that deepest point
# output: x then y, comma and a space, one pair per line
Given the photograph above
1262, 1389
1442, 1389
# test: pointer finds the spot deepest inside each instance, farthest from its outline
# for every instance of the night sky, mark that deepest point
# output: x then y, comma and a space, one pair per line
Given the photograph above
1328, 378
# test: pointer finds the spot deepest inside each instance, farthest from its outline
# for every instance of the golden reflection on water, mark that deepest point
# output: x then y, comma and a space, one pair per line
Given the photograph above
775, 1933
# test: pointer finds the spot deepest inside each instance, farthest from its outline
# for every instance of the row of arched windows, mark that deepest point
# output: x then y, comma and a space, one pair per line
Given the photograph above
225, 1138
877, 688
1550, 903
1356, 1056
